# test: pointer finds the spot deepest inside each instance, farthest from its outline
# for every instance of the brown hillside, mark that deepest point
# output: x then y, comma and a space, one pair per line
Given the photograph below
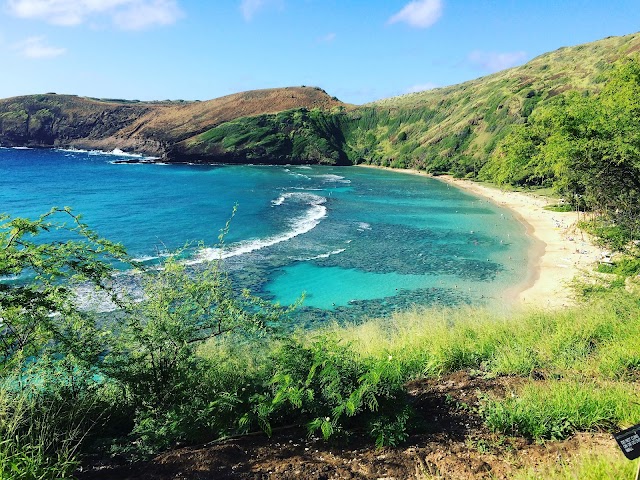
147, 127
186, 120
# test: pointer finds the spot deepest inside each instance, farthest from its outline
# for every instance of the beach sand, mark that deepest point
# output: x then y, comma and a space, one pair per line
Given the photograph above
561, 251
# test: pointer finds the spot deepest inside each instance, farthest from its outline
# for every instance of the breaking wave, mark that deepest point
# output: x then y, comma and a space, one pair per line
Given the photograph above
298, 226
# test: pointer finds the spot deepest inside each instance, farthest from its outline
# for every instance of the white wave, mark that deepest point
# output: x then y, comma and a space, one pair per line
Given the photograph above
21, 148
143, 161
299, 226
145, 258
8, 278
304, 167
326, 255
87, 298
301, 197
362, 226
300, 175
331, 178
74, 150
115, 152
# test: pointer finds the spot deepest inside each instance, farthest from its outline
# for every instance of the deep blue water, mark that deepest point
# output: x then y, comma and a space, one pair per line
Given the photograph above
357, 241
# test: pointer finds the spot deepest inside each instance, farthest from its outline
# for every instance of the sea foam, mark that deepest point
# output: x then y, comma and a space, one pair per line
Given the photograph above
331, 178
116, 152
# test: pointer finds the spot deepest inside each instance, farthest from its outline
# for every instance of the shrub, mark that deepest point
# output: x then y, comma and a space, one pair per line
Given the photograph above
336, 392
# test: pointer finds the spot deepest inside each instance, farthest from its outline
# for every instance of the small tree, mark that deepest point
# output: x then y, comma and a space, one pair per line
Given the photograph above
38, 306
48, 399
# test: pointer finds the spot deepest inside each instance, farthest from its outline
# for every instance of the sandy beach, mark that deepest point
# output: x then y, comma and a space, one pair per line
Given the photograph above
561, 251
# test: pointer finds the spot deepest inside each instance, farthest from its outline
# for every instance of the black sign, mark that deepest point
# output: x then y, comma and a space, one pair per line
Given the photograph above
629, 442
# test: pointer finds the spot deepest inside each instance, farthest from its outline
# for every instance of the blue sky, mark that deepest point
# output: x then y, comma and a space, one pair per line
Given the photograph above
359, 51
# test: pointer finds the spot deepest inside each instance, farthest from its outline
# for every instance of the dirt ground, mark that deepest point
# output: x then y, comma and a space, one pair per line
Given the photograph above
453, 445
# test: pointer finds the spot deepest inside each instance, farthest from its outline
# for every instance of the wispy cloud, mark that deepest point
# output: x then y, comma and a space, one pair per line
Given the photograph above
419, 13
421, 87
250, 7
36, 47
494, 61
125, 14
141, 15
328, 38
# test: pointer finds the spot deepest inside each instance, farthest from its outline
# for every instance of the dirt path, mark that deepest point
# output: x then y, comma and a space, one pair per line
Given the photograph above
453, 444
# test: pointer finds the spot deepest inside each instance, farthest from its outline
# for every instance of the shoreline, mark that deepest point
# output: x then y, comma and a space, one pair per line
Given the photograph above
560, 251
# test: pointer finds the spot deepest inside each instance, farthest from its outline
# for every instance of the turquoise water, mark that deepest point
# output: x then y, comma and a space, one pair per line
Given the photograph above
357, 241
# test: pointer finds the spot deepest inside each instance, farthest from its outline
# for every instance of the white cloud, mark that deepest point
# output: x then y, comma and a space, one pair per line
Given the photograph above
494, 61
250, 7
126, 14
328, 38
421, 87
141, 15
419, 13
36, 47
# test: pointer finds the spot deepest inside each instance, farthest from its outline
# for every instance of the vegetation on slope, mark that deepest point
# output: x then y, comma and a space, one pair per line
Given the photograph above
454, 129
585, 145
298, 136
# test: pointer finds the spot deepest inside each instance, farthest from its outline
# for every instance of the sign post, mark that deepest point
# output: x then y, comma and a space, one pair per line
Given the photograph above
629, 442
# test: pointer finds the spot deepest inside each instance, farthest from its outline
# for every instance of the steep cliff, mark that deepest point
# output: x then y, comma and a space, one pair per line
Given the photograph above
153, 128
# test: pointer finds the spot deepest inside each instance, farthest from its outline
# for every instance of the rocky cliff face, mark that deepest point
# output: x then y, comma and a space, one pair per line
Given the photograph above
152, 128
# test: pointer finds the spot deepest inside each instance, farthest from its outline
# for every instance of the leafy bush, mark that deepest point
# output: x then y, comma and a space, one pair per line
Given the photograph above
335, 392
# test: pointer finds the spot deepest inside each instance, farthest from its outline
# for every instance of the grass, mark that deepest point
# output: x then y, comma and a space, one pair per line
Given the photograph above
561, 207
292, 136
30, 448
556, 409
440, 340
586, 466
588, 356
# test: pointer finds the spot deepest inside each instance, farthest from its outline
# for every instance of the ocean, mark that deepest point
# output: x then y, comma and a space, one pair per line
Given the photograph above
358, 241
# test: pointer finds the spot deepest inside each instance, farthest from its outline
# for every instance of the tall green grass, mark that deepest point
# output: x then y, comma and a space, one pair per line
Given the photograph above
588, 355
30, 445
557, 409
598, 338
583, 467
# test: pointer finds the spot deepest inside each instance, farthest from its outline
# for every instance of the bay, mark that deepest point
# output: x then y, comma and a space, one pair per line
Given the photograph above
359, 242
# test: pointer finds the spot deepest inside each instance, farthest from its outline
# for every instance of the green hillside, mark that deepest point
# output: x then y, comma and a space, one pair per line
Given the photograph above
452, 129
467, 121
